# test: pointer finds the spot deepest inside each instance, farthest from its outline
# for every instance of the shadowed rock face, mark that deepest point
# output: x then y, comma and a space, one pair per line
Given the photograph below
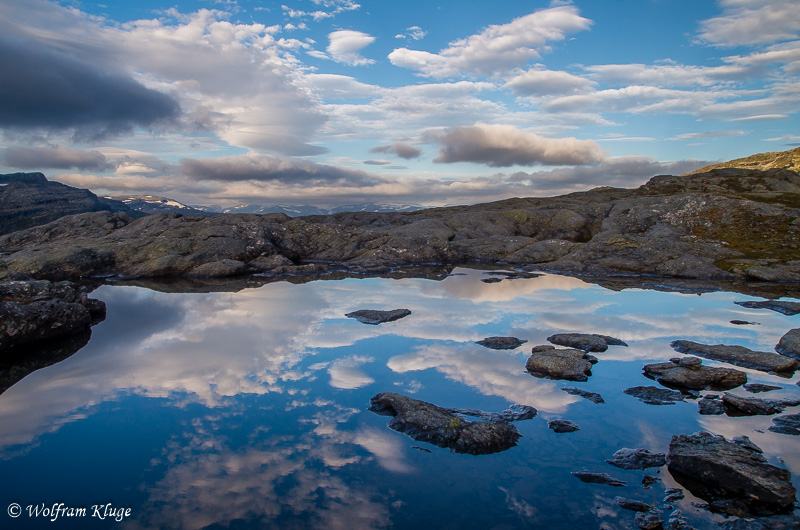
426, 422
733, 478
671, 226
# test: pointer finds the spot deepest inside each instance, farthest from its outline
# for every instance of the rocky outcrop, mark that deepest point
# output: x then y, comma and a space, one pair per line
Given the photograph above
689, 373
786, 424
782, 307
598, 478
743, 406
501, 343
789, 345
739, 356
653, 395
426, 422
637, 459
585, 342
29, 199
742, 227
594, 397
733, 478
548, 362
757, 388
631, 504
562, 426
376, 316
513, 413
710, 406
35, 311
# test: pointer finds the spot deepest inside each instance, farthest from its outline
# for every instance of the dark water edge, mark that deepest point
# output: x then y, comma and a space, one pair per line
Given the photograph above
235, 404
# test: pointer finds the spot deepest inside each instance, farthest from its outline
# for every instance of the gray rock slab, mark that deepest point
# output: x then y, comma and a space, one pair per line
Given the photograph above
654, 396
501, 343
572, 364
594, 397
786, 424
739, 356
688, 373
585, 341
561, 426
785, 308
639, 458
598, 478
376, 316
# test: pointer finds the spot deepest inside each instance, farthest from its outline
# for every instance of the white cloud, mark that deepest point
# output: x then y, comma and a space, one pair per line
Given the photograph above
546, 82
55, 157
345, 47
505, 145
497, 49
746, 22
709, 134
413, 32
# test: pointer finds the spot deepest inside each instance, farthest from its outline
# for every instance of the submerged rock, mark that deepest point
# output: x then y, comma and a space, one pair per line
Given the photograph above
756, 388
733, 478
739, 356
785, 308
631, 504
572, 365
561, 426
653, 395
594, 397
513, 413
786, 424
598, 478
34, 311
426, 422
501, 343
375, 316
637, 459
743, 406
688, 372
789, 345
585, 341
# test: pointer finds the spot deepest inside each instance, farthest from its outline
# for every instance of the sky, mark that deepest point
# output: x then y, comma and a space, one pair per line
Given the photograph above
332, 102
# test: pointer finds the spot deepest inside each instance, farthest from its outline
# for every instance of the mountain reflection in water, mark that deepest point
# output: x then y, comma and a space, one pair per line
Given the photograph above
249, 409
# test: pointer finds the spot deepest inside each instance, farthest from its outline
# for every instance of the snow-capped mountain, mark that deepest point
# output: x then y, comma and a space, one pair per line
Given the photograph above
152, 204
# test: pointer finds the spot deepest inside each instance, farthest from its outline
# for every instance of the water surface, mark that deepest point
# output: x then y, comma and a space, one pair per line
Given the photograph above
249, 409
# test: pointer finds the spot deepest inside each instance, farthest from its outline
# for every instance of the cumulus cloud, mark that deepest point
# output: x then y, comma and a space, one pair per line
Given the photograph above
401, 149
413, 32
57, 157
271, 169
746, 22
505, 145
544, 82
498, 48
345, 47
46, 88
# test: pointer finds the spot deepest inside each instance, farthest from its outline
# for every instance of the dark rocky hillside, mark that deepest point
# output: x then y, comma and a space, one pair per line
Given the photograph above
29, 199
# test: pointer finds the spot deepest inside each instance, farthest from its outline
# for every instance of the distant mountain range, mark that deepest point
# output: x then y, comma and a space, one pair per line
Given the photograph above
153, 204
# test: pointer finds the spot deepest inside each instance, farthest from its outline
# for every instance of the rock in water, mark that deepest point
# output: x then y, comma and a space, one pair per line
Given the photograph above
710, 406
426, 422
501, 343
561, 426
785, 308
594, 397
776, 522
513, 413
756, 388
585, 341
375, 316
789, 344
742, 406
649, 521
598, 478
654, 396
636, 459
731, 477
786, 424
739, 356
572, 365
683, 373
631, 504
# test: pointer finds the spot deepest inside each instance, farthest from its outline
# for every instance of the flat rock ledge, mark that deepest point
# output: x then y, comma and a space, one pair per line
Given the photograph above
501, 343
376, 316
786, 424
689, 373
627, 458
784, 308
562, 426
426, 422
734, 478
548, 362
739, 356
745, 406
585, 341
594, 397
653, 395
598, 478
39, 310
789, 345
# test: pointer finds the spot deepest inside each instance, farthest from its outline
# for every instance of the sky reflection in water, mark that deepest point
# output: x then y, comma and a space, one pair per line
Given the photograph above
249, 409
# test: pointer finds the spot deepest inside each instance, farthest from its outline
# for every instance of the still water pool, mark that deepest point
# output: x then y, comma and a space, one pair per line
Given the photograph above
249, 409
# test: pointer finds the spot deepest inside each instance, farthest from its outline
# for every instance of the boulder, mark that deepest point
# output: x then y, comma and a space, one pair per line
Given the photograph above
653, 395
594, 397
631, 504
561, 426
426, 422
636, 459
689, 373
743, 406
731, 477
501, 343
786, 424
375, 316
572, 365
739, 356
585, 342
789, 345
710, 406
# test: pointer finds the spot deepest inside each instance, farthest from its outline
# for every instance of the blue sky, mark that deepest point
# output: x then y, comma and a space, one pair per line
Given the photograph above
332, 102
